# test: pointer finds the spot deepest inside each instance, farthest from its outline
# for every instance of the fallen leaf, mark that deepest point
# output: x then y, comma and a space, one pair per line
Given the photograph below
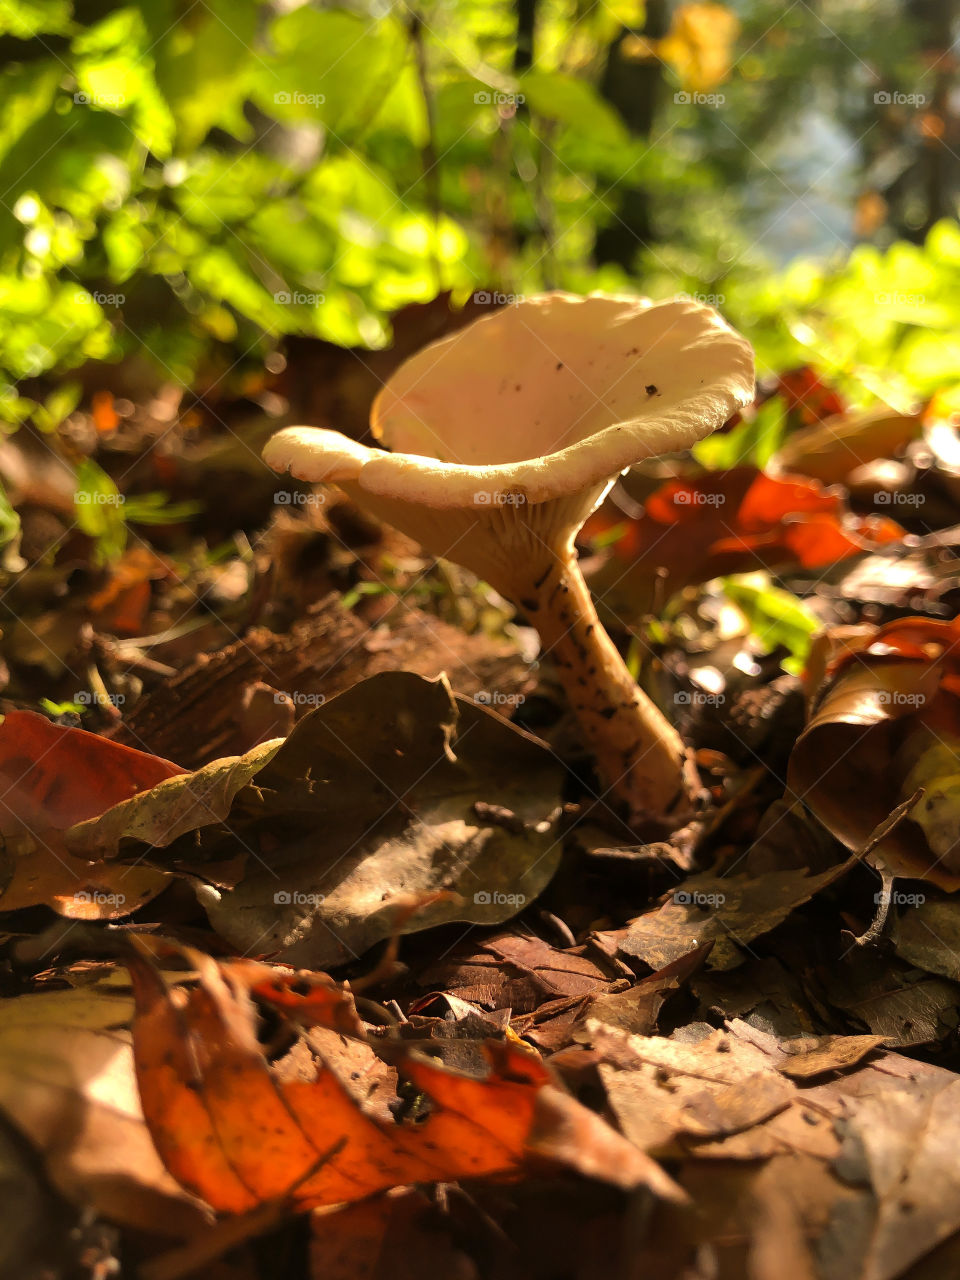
819, 1055
885, 723
743, 518
53, 777
829, 450
235, 1132
731, 911
67, 1084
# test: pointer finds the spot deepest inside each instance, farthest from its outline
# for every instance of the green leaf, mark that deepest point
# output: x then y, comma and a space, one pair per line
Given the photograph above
776, 616
98, 507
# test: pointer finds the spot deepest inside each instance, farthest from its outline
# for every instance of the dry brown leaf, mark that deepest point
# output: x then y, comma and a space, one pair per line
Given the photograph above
886, 722
67, 1083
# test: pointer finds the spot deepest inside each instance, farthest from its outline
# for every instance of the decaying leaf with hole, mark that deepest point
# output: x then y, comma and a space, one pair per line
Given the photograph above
239, 1132
886, 723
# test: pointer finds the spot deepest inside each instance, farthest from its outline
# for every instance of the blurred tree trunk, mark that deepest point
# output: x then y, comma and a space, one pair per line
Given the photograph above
632, 86
937, 22
526, 30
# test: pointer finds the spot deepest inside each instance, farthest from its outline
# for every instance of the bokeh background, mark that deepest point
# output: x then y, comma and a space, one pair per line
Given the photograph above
187, 182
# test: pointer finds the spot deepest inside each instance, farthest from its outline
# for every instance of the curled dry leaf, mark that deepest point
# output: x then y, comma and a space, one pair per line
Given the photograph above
52, 777
885, 723
724, 522
833, 448
236, 1131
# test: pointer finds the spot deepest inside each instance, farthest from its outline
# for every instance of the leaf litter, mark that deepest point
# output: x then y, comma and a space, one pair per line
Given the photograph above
326, 952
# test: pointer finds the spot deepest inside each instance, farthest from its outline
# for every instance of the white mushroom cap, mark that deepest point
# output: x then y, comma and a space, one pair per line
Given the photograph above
545, 399
516, 425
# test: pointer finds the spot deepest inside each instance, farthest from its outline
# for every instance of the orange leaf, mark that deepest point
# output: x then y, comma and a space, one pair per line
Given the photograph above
51, 777
230, 1127
722, 522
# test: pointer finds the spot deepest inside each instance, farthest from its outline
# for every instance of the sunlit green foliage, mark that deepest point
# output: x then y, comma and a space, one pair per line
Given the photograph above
175, 177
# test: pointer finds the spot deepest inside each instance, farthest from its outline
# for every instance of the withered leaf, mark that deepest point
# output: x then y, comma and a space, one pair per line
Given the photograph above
366, 811
238, 1134
51, 778
67, 1083
731, 911
889, 702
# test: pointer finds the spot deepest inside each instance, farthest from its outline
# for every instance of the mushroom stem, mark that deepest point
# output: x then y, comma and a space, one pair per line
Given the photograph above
640, 756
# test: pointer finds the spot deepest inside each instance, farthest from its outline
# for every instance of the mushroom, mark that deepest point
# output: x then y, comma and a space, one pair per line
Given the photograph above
503, 437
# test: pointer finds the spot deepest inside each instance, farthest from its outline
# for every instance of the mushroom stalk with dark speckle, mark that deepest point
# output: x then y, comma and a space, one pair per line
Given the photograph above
503, 438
